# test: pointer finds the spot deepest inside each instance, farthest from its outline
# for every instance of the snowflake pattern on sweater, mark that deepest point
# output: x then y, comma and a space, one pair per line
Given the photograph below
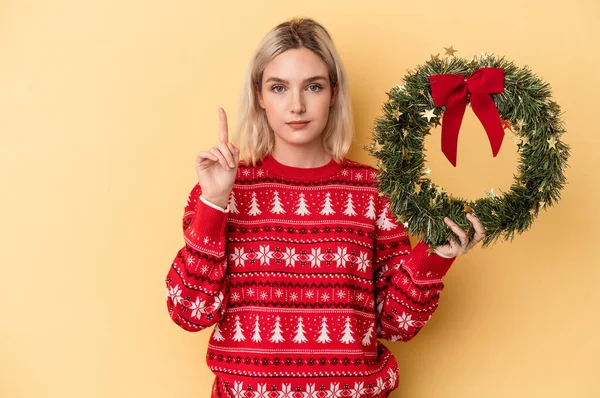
301, 274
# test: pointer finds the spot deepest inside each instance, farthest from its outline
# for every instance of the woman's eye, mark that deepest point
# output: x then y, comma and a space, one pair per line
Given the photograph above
313, 87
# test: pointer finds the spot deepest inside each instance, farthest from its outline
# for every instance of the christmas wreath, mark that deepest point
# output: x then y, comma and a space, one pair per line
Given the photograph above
504, 97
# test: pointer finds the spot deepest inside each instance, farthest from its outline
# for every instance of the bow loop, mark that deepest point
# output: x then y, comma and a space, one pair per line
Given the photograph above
453, 90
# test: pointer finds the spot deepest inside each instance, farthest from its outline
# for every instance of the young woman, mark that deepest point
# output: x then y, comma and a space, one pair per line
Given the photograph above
289, 249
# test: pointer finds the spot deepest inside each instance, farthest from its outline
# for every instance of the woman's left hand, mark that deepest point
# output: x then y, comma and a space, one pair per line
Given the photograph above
453, 249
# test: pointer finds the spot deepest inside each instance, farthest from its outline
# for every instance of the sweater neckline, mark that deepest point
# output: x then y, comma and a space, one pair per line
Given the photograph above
300, 173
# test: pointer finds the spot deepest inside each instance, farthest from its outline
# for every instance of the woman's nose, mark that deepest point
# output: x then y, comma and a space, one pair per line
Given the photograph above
297, 102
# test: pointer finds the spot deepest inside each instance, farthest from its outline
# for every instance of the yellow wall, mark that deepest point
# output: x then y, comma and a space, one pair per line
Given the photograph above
103, 106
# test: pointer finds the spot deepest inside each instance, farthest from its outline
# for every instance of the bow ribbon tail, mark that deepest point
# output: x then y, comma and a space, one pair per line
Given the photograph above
452, 119
485, 109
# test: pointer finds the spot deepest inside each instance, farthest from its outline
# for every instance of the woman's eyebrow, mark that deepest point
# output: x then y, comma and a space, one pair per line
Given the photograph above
310, 79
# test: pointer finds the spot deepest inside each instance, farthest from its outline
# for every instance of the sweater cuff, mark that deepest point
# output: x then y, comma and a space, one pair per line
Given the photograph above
427, 267
207, 228
211, 204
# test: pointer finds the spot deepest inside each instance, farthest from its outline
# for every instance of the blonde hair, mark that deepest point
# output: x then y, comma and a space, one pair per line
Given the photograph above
252, 133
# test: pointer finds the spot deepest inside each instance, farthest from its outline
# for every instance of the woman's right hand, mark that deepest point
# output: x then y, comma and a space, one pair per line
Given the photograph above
215, 175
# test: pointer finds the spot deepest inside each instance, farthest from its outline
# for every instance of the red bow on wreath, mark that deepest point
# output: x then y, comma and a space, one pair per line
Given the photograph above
452, 89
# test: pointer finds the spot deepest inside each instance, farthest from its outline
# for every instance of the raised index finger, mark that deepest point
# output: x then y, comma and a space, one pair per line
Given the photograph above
222, 126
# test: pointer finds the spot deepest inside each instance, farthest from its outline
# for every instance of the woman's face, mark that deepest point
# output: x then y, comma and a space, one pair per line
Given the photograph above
295, 86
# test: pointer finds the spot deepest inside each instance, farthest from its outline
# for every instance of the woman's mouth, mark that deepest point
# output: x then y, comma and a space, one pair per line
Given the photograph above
298, 125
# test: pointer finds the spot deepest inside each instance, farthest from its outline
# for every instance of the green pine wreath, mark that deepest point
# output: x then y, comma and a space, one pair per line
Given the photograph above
525, 107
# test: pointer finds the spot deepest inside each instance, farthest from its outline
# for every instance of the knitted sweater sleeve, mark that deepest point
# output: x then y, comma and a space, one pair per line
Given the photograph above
408, 282
197, 289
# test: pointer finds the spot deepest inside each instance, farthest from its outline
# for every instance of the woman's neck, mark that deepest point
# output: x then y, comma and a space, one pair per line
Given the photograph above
303, 158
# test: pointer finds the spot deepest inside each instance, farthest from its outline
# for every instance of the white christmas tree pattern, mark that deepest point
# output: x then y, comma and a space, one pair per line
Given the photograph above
327, 210
324, 332
254, 210
256, 336
383, 222
277, 208
217, 333
300, 338
367, 337
302, 206
371, 208
232, 203
239, 332
276, 337
347, 337
349, 206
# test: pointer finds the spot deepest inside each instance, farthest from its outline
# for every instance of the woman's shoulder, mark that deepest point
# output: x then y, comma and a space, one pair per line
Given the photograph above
356, 164
357, 171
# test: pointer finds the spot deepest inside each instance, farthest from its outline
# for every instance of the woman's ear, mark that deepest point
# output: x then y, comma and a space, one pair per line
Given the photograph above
333, 95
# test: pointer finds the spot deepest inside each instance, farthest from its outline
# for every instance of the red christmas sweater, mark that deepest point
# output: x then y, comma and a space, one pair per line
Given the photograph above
301, 274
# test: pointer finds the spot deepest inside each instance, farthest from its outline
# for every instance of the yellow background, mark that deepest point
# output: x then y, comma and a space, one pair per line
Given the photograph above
103, 107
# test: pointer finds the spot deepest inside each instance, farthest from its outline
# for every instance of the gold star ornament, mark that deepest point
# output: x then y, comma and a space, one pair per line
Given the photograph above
428, 114
450, 51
